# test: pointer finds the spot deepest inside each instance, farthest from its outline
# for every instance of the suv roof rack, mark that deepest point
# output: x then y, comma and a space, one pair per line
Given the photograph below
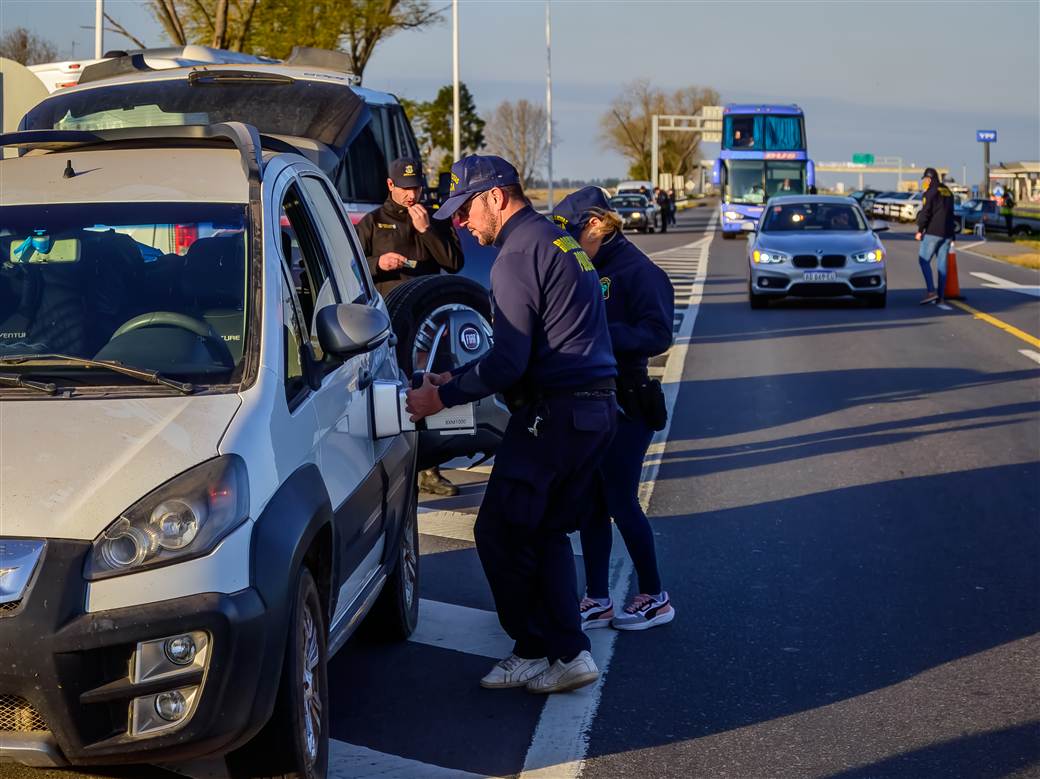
245, 138
322, 58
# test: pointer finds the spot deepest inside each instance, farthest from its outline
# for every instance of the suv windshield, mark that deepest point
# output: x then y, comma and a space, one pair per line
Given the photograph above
303, 108
798, 217
159, 286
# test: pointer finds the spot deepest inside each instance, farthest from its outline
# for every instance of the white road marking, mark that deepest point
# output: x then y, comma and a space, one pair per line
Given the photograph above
1034, 356
943, 306
349, 760
995, 282
461, 629
447, 524
561, 739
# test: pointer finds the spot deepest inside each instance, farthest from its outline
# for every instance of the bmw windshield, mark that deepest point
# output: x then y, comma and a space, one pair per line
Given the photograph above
813, 217
155, 286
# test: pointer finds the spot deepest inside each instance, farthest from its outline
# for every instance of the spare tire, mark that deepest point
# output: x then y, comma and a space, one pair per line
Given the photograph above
419, 310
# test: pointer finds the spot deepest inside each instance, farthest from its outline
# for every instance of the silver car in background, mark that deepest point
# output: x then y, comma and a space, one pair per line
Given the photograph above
815, 246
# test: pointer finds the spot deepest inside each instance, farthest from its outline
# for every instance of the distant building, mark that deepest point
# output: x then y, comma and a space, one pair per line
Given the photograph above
1022, 178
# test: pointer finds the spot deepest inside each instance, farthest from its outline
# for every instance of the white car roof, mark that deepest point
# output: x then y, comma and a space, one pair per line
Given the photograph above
298, 72
117, 175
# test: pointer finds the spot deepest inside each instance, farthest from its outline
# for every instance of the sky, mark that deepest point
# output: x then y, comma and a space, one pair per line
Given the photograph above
912, 79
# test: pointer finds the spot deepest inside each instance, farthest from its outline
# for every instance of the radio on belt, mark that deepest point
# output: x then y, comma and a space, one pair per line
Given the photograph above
389, 416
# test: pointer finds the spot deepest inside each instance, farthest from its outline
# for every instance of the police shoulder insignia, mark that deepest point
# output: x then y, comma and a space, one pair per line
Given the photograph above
566, 244
583, 261
604, 285
560, 220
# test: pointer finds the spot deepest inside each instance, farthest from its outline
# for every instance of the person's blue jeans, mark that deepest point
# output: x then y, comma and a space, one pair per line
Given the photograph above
621, 469
934, 246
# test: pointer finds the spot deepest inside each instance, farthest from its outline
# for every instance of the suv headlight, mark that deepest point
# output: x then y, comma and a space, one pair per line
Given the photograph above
184, 518
874, 255
769, 257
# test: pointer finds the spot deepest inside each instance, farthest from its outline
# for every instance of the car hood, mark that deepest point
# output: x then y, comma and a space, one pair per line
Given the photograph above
811, 243
69, 467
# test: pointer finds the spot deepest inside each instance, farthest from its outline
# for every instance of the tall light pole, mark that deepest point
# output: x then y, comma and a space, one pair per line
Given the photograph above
456, 131
99, 28
548, 95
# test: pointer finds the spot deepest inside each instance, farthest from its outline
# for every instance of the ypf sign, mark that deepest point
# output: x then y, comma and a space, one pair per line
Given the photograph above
986, 136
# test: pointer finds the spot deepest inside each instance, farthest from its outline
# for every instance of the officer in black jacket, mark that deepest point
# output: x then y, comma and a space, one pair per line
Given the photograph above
552, 358
399, 238
402, 242
935, 230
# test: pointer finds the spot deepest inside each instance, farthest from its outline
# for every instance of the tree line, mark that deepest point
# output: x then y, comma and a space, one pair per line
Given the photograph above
515, 130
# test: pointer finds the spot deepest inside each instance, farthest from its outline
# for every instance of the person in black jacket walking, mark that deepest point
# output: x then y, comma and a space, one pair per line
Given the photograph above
401, 242
666, 209
640, 304
935, 230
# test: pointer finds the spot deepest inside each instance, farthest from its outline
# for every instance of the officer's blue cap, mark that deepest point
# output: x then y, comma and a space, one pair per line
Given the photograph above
472, 175
574, 211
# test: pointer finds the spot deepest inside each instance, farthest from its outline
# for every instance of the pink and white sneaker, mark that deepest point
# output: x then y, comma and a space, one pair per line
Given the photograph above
594, 614
645, 611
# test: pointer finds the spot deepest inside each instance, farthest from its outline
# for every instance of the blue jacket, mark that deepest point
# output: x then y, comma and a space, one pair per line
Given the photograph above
640, 303
550, 326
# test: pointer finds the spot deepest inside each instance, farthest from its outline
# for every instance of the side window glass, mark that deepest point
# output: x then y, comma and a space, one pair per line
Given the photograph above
307, 268
351, 276
292, 347
362, 175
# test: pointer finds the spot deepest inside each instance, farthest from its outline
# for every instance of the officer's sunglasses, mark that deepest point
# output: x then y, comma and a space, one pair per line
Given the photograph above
463, 211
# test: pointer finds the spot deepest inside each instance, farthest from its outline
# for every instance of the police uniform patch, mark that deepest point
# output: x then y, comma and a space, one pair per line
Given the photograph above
454, 181
409, 170
583, 261
385, 226
604, 285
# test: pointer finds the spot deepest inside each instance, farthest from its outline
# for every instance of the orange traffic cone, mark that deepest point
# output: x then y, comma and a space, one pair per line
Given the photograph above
953, 287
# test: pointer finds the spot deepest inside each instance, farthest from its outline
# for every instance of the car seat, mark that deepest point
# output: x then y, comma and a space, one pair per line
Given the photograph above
213, 285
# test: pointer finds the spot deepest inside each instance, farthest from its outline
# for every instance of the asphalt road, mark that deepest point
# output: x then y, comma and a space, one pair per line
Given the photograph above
847, 521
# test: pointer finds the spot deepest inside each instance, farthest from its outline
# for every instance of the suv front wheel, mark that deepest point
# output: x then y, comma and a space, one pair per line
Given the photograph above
295, 742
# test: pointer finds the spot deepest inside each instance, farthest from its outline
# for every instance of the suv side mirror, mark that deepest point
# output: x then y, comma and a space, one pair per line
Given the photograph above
349, 329
878, 227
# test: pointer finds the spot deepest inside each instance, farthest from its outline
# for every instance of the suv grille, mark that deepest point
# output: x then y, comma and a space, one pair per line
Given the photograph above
17, 715
804, 261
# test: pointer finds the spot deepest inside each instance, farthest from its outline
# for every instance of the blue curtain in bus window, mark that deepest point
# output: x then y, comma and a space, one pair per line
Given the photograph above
783, 132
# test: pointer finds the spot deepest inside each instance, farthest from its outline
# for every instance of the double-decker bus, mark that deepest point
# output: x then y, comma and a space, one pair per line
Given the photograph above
763, 154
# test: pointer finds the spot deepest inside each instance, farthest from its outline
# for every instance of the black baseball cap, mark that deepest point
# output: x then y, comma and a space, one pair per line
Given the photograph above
472, 175
406, 172
930, 173
573, 212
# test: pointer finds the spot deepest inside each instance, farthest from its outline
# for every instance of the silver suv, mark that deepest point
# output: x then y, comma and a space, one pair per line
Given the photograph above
207, 485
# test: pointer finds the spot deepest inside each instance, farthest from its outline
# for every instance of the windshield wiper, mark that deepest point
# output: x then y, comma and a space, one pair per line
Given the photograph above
237, 77
152, 377
14, 380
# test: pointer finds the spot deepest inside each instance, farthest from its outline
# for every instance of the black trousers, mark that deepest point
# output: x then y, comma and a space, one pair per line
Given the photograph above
541, 488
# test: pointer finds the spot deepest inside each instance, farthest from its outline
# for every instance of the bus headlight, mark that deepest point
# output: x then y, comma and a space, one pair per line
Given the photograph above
733, 215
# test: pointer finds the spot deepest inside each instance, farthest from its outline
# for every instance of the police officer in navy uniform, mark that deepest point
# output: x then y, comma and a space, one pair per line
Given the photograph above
552, 359
402, 242
640, 304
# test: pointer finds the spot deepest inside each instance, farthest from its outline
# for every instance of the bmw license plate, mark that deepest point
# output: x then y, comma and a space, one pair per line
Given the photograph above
818, 275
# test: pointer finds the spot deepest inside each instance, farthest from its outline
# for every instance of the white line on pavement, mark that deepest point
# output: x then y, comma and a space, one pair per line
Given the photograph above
447, 524
995, 282
561, 739
461, 629
350, 760
1034, 356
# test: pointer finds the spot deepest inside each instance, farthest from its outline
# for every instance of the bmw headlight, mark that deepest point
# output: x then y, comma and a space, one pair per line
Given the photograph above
873, 255
184, 518
768, 257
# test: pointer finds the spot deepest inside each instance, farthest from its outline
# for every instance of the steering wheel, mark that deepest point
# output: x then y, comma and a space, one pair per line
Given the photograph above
195, 326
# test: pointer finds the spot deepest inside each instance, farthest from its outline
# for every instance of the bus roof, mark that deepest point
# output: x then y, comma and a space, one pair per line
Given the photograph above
762, 108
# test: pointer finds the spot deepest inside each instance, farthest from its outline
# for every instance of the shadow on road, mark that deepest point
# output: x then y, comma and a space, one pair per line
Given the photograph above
787, 606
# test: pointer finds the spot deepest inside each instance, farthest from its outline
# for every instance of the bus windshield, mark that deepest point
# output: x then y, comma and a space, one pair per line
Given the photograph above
753, 182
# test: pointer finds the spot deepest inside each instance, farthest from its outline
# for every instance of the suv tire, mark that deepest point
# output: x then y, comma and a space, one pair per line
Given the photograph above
756, 301
293, 745
395, 614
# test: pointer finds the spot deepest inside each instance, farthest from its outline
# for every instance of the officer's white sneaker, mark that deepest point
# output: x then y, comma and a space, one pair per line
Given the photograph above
561, 676
513, 671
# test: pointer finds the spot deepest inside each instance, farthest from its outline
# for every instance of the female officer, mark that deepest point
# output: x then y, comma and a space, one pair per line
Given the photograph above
639, 300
